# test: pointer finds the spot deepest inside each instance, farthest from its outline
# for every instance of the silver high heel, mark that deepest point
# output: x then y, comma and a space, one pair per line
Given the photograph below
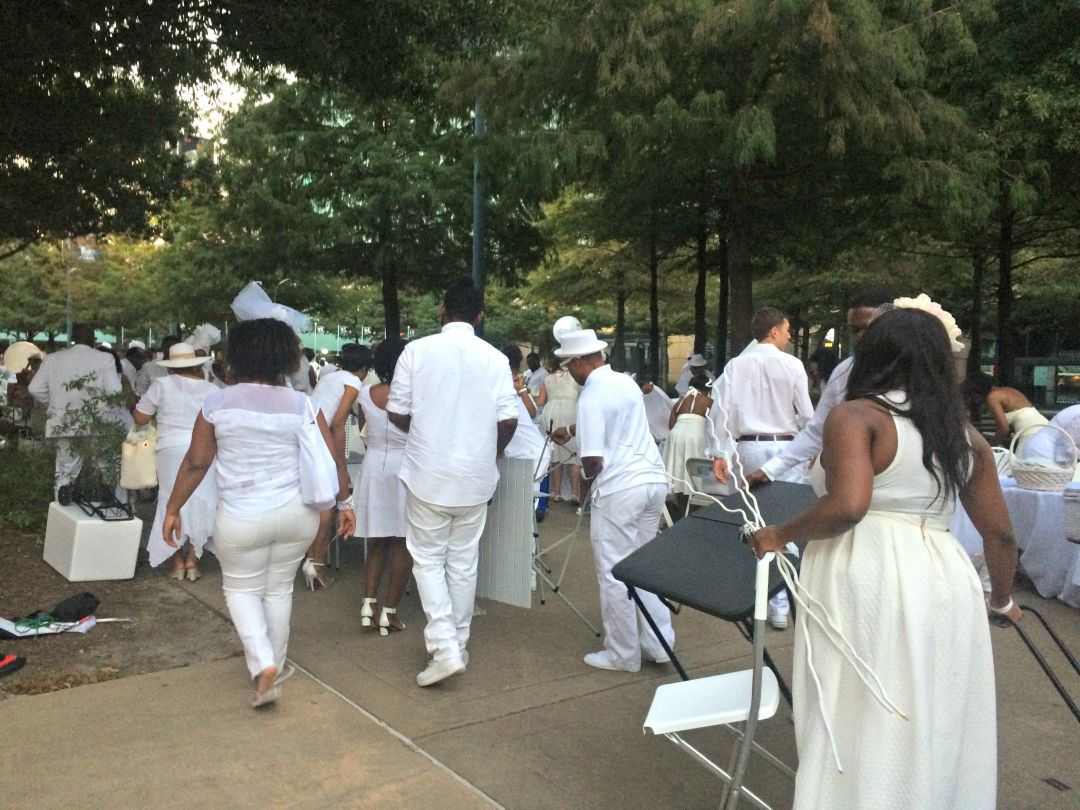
384, 622
366, 613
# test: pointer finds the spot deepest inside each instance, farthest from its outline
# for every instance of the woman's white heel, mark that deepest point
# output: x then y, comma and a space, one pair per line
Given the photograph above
384, 622
367, 613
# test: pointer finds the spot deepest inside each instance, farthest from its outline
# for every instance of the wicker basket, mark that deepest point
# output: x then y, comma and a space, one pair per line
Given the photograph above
1072, 515
1039, 476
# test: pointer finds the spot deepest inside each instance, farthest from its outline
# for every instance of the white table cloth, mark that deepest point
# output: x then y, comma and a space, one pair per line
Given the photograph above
1049, 560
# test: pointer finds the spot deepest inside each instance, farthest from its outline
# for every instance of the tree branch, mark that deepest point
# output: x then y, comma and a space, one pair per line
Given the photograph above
18, 249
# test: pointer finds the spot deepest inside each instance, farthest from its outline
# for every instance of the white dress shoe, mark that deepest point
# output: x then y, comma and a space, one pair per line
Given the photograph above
778, 619
440, 670
602, 660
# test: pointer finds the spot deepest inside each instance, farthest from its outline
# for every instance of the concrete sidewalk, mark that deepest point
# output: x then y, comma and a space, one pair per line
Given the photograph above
528, 726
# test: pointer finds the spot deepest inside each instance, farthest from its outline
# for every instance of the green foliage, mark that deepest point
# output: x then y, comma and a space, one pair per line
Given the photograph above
95, 430
26, 485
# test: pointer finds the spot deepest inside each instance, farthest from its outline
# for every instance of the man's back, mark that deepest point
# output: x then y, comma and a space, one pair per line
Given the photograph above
764, 391
52, 385
455, 388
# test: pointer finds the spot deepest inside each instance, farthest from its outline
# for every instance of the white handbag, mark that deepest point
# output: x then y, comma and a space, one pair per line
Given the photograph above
318, 470
138, 459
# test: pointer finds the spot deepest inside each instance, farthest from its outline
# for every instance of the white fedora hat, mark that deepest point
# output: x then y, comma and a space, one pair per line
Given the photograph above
182, 355
696, 361
567, 323
579, 343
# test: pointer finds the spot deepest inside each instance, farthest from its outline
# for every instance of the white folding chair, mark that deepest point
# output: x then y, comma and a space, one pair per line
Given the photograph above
724, 700
699, 472
1003, 458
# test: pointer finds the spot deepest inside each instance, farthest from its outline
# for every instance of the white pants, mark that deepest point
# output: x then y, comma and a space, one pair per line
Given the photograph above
753, 456
621, 523
444, 542
68, 465
259, 557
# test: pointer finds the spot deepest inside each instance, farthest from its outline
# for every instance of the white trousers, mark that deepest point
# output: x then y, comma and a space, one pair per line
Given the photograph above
259, 557
68, 465
753, 455
444, 542
621, 523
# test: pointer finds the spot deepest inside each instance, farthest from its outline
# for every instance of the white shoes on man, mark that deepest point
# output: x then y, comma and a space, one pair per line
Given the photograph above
440, 670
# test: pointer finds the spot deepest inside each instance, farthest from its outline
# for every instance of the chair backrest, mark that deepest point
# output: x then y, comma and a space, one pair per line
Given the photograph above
1003, 458
699, 472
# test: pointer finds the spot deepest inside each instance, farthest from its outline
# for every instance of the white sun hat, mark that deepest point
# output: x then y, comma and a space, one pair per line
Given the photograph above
579, 343
182, 355
567, 323
697, 361
137, 344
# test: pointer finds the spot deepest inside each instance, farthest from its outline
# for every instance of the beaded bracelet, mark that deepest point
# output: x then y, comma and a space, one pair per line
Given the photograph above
346, 504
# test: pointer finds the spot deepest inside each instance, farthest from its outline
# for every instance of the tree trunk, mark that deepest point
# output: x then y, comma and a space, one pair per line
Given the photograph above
618, 351
1006, 346
978, 274
701, 336
391, 309
740, 274
722, 306
654, 302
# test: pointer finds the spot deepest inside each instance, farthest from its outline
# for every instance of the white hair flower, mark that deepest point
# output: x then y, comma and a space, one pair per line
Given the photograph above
923, 302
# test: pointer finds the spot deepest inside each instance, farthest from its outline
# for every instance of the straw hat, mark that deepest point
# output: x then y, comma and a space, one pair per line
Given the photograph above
182, 355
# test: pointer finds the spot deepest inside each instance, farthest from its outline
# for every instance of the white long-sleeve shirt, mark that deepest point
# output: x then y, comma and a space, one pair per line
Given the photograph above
808, 443
58, 371
763, 391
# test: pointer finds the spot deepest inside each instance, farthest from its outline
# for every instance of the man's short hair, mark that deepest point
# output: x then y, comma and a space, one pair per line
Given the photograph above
463, 302
82, 333
765, 320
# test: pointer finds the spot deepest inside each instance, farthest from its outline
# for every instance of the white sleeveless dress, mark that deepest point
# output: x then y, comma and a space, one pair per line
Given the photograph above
686, 439
380, 495
904, 592
560, 410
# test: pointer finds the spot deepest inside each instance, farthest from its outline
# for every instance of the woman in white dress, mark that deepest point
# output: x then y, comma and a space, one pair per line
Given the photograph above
380, 498
334, 395
558, 397
901, 589
686, 436
250, 433
175, 400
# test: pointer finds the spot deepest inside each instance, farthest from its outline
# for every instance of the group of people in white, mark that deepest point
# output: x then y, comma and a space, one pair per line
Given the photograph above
888, 450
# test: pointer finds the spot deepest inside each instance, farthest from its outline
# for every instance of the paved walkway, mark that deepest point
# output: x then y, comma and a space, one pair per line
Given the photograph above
528, 726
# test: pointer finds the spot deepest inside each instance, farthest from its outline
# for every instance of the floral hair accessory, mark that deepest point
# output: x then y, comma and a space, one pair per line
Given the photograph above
923, 302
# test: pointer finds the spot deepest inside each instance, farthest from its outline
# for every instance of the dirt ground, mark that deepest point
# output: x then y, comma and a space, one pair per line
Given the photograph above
171, 626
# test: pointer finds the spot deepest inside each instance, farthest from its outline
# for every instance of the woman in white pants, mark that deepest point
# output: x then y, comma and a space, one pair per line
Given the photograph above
263, 527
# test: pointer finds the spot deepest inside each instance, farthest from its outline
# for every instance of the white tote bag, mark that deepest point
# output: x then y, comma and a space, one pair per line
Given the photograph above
138, 459
318, 470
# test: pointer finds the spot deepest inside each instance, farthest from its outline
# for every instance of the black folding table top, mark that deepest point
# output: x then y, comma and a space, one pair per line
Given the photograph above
702, 562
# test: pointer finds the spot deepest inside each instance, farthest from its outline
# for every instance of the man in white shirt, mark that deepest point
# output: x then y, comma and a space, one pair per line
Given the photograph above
52, 386
452, 394
759, 403
133, 360
536, 374
807, 445
619, 455
695, 366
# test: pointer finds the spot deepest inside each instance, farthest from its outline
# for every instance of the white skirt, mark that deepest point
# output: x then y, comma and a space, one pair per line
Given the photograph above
685, 440
379, 494
562, 413
196, 516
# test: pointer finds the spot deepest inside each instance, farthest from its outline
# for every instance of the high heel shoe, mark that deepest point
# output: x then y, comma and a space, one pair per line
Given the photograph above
367, 613
313, 576
384, 622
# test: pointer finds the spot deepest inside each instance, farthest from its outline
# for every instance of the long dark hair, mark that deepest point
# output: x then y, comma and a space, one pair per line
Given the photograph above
909, 350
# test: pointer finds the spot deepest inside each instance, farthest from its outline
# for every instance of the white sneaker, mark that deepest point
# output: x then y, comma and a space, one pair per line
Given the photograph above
440, 670
778, 619
602, 660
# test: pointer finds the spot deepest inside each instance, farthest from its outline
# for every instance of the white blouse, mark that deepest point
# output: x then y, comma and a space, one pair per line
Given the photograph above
176, 401
257, 430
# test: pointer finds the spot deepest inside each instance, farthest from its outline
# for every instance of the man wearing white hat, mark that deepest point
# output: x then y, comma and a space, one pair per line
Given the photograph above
133, 360
629, 486
695, 366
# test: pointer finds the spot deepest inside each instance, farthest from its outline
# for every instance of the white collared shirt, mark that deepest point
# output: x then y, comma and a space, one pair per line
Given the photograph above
611, 424
534, 379
456, 388
762, 391
808, 443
